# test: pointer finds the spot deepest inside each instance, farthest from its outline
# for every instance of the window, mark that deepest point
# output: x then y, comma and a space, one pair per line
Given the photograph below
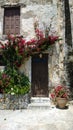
11, 20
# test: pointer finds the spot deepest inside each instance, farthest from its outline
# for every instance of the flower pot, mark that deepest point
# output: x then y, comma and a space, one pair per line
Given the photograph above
61, 102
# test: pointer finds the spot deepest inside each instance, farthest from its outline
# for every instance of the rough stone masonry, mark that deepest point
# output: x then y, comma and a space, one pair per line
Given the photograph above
44, 12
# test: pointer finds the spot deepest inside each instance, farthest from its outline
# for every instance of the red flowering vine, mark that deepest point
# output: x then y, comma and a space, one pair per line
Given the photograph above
16, 49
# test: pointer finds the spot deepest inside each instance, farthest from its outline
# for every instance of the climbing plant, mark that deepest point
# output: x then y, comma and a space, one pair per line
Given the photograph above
16, 49
14, 52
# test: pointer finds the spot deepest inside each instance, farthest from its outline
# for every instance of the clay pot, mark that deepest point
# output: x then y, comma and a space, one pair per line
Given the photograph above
61, 102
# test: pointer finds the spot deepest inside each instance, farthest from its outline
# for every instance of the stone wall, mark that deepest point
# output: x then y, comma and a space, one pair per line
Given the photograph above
14, 101
44, 12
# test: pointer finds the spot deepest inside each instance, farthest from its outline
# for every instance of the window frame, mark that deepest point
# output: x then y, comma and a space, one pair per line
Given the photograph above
4, 22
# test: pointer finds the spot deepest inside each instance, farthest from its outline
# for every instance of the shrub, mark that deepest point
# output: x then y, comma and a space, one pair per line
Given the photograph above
13, 82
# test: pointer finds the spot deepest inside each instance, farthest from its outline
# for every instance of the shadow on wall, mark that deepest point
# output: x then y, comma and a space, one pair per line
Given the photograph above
68, 41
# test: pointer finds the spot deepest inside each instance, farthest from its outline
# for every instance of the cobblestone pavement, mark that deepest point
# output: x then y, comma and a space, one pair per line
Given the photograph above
37, 119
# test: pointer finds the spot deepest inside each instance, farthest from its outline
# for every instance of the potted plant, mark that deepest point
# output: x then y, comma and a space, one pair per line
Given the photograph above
60, 95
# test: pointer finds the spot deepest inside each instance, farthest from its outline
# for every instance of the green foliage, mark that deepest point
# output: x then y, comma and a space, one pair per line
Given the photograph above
13, 82
15, 50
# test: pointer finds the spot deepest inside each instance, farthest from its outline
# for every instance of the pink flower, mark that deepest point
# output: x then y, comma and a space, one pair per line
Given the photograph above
60, 91
52, 95
4, 76
39, 34
65, 95
2, 46
33, 40
23, 42
52, 38
11, 37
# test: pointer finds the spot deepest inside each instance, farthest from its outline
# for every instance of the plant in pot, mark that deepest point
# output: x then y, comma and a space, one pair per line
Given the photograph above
60, 95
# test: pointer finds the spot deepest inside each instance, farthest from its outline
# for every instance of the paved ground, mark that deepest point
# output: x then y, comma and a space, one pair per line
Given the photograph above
40, 119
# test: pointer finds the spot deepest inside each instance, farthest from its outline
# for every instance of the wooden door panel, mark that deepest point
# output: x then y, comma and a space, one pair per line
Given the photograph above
40, 75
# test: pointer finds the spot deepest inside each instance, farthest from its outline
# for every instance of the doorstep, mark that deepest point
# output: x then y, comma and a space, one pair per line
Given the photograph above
40, 103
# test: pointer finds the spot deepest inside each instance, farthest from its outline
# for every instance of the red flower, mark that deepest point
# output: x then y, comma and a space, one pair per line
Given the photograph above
53, 95
60, 91
33, 41
2, 46
65, 95
4, 76
29, 43
39, 34
11, 37
17, 46
52, 38
23, 42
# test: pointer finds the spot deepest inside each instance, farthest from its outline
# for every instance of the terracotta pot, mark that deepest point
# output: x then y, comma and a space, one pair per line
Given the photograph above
61, 102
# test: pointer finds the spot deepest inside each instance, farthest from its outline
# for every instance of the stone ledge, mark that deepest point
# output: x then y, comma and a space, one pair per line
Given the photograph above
13, 101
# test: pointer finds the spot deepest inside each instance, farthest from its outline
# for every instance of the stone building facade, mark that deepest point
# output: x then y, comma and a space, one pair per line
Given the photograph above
45, 12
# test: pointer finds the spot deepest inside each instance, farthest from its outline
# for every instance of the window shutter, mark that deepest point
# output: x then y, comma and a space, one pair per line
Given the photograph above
12, 20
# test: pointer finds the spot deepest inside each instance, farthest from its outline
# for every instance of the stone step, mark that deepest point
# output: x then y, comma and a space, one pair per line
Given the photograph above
40, 100
39, 106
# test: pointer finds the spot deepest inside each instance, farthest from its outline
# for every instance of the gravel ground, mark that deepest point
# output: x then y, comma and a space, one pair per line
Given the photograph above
37, 119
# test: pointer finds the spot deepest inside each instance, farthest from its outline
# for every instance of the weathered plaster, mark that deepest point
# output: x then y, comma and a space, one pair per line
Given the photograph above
46, 12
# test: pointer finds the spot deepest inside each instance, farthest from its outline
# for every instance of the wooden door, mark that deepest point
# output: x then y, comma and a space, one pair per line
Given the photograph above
39, 80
